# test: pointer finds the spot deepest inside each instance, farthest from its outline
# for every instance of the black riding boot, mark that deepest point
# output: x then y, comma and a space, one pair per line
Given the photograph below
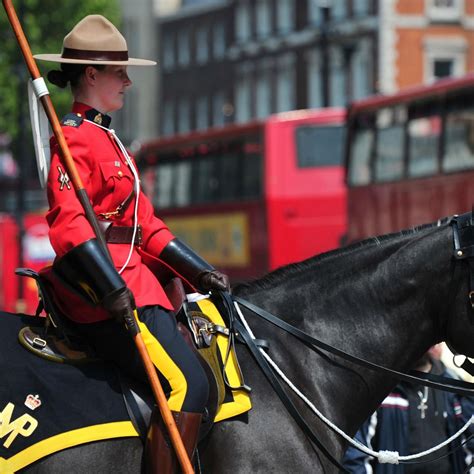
160, 456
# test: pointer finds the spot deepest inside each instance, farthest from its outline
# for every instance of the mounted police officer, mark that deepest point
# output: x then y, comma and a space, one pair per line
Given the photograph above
94, 62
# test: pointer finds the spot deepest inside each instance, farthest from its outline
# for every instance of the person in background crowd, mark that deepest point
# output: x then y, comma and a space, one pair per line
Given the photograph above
412, 419
94, 62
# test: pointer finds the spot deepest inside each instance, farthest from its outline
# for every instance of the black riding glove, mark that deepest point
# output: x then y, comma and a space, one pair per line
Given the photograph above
193, 268
213, 280
120, 306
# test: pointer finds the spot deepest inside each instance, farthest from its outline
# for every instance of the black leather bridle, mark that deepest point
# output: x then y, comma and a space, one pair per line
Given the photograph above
463, 236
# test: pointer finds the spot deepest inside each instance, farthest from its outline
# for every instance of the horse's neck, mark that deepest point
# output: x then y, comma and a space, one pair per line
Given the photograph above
379, 303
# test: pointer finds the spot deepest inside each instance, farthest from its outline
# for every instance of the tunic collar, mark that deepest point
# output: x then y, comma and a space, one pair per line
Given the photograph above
91, 114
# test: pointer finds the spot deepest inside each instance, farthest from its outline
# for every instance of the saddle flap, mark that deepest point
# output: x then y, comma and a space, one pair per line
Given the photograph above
176, 294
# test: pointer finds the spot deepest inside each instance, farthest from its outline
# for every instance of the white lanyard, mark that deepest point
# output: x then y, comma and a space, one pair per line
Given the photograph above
136, 185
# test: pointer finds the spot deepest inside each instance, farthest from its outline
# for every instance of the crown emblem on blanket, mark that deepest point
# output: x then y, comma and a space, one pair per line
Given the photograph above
32, 401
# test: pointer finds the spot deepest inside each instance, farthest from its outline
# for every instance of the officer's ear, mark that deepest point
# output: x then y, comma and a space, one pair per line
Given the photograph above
90, 75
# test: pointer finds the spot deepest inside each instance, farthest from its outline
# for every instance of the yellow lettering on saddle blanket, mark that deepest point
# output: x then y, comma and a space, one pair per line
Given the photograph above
25, 425
241, 400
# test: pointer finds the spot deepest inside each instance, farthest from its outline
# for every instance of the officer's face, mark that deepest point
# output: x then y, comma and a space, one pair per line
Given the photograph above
110, 86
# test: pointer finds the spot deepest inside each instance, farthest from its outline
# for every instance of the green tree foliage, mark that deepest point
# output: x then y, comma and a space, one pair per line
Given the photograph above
45, 23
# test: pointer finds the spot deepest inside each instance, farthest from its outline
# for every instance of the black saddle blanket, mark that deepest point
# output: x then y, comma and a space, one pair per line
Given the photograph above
47, 406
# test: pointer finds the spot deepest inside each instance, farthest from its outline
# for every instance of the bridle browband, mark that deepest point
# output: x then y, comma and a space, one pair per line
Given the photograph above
463, 237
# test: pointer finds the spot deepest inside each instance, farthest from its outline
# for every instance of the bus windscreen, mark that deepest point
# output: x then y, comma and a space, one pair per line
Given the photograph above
319, 146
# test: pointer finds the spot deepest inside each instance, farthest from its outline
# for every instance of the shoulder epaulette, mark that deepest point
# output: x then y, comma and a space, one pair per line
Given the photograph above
72, 120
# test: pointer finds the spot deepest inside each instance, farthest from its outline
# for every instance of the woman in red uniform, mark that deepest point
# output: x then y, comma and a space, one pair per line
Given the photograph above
94, 62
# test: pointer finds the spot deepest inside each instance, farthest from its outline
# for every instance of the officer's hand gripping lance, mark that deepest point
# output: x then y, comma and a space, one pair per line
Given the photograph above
42, 94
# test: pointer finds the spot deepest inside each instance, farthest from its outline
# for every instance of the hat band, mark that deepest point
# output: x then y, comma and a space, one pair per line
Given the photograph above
69, 53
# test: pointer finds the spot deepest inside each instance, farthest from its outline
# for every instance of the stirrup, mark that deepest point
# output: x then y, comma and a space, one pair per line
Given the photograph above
54, 348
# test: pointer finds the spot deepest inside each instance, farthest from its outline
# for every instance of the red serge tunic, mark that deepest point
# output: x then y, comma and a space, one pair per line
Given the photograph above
108, 182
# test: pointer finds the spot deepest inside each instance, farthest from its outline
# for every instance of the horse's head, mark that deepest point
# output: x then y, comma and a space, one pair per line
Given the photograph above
460, 322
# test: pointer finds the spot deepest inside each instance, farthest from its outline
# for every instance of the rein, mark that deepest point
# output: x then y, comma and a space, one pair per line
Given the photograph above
255, 348
429, 380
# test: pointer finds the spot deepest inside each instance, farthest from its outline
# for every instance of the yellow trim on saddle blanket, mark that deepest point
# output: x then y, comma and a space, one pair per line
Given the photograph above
241, 402
119, 429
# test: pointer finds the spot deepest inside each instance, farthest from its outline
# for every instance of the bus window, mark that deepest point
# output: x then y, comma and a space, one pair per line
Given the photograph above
182, 184
207, 173
459, 142
319, 146
361, 150
229, 179
424, 131
206, 185
252, 171
162, 197
390, 144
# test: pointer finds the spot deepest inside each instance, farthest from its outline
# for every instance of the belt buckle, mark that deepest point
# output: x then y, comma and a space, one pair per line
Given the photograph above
139, 236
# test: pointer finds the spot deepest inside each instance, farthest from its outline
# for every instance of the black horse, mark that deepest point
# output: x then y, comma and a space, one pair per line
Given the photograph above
387, 300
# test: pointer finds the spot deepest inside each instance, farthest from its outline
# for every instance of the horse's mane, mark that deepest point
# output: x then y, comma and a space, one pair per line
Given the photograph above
287, 271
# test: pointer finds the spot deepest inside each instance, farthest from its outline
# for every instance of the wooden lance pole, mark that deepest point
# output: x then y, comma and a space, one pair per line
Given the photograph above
43, 94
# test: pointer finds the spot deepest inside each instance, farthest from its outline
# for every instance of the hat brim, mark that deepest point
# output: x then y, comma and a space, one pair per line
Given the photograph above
57, 58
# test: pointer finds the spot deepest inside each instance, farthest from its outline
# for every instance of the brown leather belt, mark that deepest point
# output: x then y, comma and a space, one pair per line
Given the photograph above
115, 234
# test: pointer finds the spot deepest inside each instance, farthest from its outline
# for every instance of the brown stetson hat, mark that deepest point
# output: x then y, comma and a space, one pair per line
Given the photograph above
95, 40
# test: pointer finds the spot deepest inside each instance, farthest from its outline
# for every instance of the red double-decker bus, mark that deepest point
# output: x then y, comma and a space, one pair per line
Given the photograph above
37, 253
410, 157
250, 198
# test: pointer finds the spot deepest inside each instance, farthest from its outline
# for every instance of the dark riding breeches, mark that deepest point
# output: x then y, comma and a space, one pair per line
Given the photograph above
182, 377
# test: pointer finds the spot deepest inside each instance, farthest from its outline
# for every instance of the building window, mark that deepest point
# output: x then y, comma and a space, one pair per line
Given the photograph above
218, 109
218, 41
167, 126
337, 78
263, 18
285, 85
339, 9
315, 15
263, 89
362, 69
361, 8
202, 46
285, 16
263, 96
129, 110
444, 56
132, 33
443, 68
242, 22
183, 115
313, 61
444, 10
183, 47
168, 51
202, 113
242, 99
